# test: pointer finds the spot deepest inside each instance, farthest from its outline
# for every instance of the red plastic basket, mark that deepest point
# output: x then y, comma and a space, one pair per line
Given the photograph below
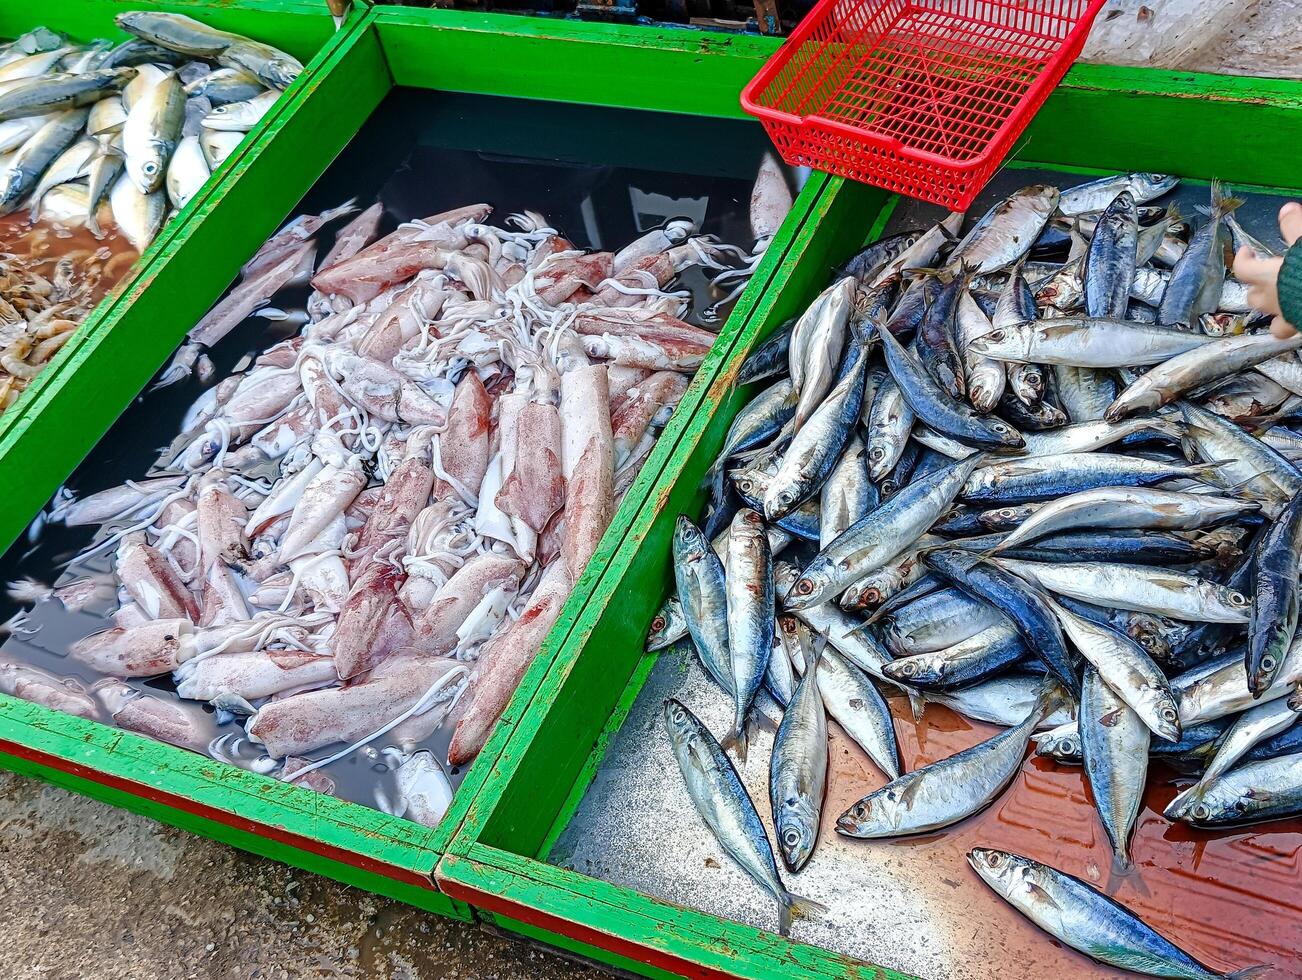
925, 97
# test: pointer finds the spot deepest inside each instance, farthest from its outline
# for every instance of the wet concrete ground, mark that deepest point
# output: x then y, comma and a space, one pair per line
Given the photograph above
90, 892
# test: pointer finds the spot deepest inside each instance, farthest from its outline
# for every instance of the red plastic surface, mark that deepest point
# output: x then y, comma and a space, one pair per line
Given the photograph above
924, 98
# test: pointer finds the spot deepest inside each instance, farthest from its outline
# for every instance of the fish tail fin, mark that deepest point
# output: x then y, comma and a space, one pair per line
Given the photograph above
713, 480
1049, 699
1221, 204
735, 741
1249, 972
1242, 483
917, 703
759, 720
816, 650
1171, 428
1210, 468
798, 907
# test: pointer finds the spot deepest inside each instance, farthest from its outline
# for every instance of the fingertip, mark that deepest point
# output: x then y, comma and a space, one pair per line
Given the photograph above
1281, 329
1290, 222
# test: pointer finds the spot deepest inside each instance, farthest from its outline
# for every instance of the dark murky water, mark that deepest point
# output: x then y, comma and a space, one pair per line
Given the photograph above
601, 176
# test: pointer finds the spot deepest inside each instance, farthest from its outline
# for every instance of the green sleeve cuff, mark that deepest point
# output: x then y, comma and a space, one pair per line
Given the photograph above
1290, 285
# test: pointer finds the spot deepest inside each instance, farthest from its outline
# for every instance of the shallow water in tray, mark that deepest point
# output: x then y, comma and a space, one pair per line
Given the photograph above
1232, 899
593, 173
47, 244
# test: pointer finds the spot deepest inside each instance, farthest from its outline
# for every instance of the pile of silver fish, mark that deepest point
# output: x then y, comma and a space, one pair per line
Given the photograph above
1038, 473
364, 535
125, 134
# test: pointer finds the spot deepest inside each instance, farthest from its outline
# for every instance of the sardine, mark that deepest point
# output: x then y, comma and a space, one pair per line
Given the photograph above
721, 801
750, 602
1114, 748
151, 132
879, 536
1087, 920
1274, 611
798, 772
945, 792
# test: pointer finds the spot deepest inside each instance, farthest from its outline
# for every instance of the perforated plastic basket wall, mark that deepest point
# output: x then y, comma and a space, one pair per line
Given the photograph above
924, 98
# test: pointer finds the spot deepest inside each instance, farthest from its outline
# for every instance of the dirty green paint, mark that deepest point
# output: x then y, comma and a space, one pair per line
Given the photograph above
662, 69
1135, 119
397, 852
661, 927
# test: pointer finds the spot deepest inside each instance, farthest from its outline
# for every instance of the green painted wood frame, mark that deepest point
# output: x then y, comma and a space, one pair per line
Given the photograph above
1101, 119
593, 64
301, 27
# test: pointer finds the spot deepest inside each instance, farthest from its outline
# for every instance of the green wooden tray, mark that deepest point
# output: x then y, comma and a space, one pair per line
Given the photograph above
1100, 120
302, 28
589, 64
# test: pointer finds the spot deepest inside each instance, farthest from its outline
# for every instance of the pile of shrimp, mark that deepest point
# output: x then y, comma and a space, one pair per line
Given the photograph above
46, 290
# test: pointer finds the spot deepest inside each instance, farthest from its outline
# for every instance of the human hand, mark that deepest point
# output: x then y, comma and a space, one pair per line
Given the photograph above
1261, 273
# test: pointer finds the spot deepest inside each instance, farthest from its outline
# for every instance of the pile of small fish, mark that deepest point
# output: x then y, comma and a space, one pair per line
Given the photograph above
367, 533
1037, 474
137, 126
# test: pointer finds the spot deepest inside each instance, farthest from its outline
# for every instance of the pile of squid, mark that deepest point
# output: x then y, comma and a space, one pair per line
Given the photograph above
122, 135
1039, 473
364, 536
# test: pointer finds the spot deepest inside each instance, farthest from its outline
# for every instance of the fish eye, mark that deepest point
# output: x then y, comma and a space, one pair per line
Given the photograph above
994, 859
999, 427
1238, 599
908, 670
791, 837
1202, 811
787, 497
872, 595
1033, 378
997, 335
788, 625
804, 587
877, 454
1170, 714
1268, 663
753, 518
745, 486
149, 167
658, 623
